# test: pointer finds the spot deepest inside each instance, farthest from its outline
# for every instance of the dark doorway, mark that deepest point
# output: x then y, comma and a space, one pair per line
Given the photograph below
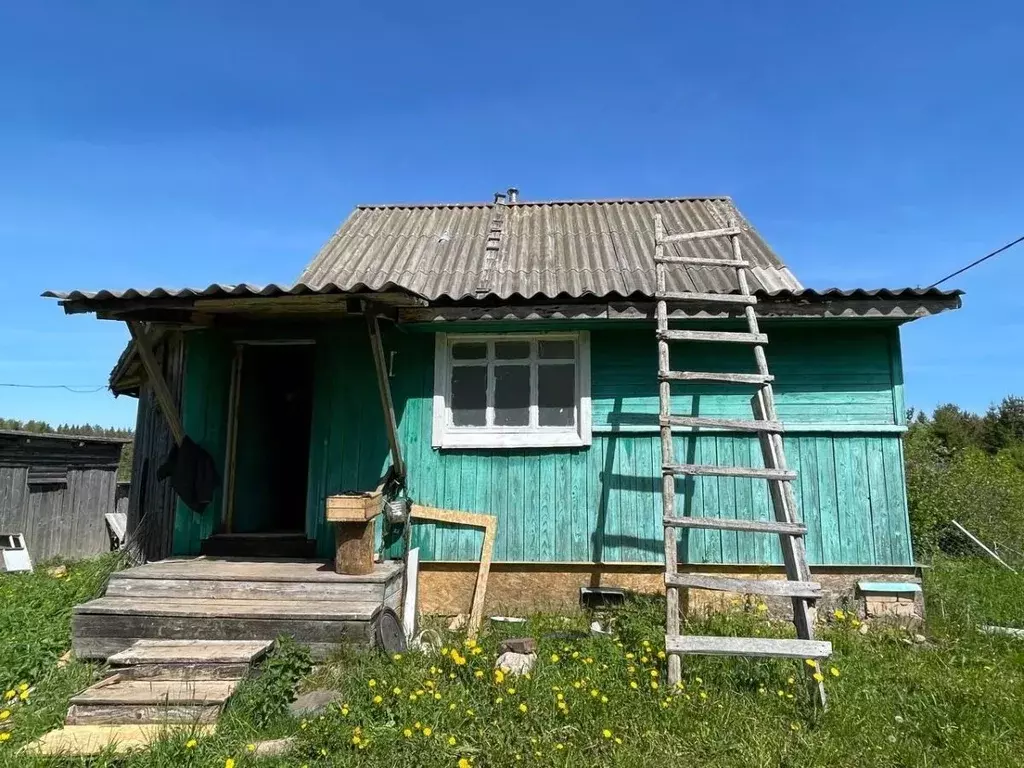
274, 417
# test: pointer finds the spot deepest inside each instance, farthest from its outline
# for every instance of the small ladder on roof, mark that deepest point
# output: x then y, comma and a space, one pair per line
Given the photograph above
766, 425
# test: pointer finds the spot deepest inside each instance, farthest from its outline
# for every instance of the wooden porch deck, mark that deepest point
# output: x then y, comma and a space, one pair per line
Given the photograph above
207, 598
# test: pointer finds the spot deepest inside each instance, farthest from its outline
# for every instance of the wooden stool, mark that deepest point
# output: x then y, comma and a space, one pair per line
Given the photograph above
354, 517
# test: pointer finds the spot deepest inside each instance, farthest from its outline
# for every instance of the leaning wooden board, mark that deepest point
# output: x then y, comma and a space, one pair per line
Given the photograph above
490, 525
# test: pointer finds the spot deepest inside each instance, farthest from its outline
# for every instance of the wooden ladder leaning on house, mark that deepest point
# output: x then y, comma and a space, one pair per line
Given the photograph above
769, 429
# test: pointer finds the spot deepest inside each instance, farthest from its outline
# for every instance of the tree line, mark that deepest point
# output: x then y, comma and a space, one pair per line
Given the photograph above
966, 467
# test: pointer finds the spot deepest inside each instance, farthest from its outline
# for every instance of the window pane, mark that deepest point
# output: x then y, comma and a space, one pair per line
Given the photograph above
556, 350
511, 396
469, 396
511, 350
477, 351
556, 395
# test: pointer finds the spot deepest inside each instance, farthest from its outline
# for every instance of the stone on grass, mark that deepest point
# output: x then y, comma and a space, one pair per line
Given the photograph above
274, 747
313, 702
518, 645
918, 638
516, 663
57, 572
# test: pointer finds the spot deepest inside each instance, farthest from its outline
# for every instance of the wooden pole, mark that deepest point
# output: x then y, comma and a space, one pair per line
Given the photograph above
387, 405
164, 398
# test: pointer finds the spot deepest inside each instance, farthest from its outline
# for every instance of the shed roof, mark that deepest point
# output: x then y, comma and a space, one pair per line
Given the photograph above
569, 249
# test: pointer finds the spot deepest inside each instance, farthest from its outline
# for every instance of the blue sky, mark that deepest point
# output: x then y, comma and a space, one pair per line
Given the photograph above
141, 144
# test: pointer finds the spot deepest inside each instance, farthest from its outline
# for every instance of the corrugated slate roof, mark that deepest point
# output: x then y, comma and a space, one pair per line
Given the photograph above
544, 250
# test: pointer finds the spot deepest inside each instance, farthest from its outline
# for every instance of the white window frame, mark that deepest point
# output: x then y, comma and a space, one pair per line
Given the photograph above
447, 435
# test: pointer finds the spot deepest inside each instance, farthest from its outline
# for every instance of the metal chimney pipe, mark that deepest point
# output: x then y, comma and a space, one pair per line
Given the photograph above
513, 195
499, 198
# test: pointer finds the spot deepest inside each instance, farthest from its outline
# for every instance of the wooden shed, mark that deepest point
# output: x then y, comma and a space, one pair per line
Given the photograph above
56, 489
518, 349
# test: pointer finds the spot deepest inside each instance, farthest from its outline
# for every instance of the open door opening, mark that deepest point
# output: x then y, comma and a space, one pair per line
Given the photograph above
268, 454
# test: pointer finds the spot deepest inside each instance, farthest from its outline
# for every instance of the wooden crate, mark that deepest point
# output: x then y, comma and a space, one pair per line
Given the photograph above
354, 507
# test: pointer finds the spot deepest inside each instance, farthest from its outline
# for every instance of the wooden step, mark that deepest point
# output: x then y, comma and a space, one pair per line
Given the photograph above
700, 261
725, 378
87, 740
709, 645
703, 422
161, 651
705, 298
703, 235
716, 471
772, 587
172, 671
733, 524
117, 700
313, 610
731, 337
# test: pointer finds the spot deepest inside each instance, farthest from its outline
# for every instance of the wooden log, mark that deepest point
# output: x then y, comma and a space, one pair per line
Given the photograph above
355, 546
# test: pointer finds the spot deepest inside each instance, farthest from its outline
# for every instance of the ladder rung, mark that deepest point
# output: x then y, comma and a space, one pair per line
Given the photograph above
706, 298
709, 645
733, 524
710, 469
704, 235
772, 587
726, 378
700, 261
735, 424
724, 336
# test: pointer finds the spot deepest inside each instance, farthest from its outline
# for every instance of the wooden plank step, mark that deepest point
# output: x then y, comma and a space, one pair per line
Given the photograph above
732, 337
701, 261
706, 298
742, 425
115, 714
716, 471
732, 524
703, 235
172, 671
709, 645
249, 569
314, 610
87, 740
116, 691
160, 651
772, 587
725, 378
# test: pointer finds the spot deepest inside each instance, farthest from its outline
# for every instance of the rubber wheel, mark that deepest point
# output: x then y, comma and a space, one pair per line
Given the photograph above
387, 632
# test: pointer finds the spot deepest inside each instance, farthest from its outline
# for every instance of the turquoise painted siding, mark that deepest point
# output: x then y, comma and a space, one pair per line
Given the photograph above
602, 503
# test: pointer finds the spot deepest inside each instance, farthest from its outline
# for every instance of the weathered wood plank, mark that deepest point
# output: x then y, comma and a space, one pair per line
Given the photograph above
168, 671
730, 337
707, 298
703, 645
724, 378
242, 569
192, 652
86, 740
305, 631
703, 235
702, 261
319, 610
772, 587
722, 471
740, 425
109, 714
247, 590
116, 691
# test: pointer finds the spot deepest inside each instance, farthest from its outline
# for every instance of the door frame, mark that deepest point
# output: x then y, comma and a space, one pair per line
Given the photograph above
234, 397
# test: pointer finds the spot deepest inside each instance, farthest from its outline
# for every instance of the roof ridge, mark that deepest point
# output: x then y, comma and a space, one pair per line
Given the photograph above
524, 203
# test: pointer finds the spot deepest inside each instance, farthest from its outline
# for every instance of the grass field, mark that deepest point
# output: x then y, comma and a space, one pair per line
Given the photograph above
954, 700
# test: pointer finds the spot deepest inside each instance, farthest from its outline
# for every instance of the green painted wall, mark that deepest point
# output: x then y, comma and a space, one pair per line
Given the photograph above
602, 503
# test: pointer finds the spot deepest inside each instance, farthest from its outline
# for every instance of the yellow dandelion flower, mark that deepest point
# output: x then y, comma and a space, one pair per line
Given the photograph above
5, 714
664, 705
762, 690
428, 731
834, 672
478, 674
810, 662
397, 691
631, 669
618, 740
444, 651
762, 608
469, 642
413, 697
818, 677
632, 684
588, 660
604, 699
304, 725
522, 708
477, 650
397, 657
251, 747
594, 692
371, 683
451, 706
407, 733
190, 744
577, 684
23, 687
10, 695
554, 658
499, 676
464, 763
606, 733
630, 656
575, 654
451, 675
470, 712
4, 736
437, 696
781, 694
840, 614
646, 643
654, 673
229, 763
644, 659
356, 739
791, 680
498, 700
661, 654
23, 695
417, 725
378, 699
511, 691
560, 697
654, 685
703, 695
559, 745
795, 726
451, 741
854, 623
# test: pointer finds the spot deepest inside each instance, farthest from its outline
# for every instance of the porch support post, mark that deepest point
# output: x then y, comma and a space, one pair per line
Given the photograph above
164, 398
385, 391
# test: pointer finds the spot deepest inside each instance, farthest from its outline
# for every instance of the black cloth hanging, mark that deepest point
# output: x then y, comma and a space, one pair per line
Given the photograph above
193, 474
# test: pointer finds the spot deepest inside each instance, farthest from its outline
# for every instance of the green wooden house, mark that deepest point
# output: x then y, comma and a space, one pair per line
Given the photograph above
520, 355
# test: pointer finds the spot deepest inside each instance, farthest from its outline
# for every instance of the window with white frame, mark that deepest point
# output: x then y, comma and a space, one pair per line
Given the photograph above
511, 390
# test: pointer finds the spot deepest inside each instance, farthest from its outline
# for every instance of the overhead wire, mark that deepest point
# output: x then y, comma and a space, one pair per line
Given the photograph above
975, 263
